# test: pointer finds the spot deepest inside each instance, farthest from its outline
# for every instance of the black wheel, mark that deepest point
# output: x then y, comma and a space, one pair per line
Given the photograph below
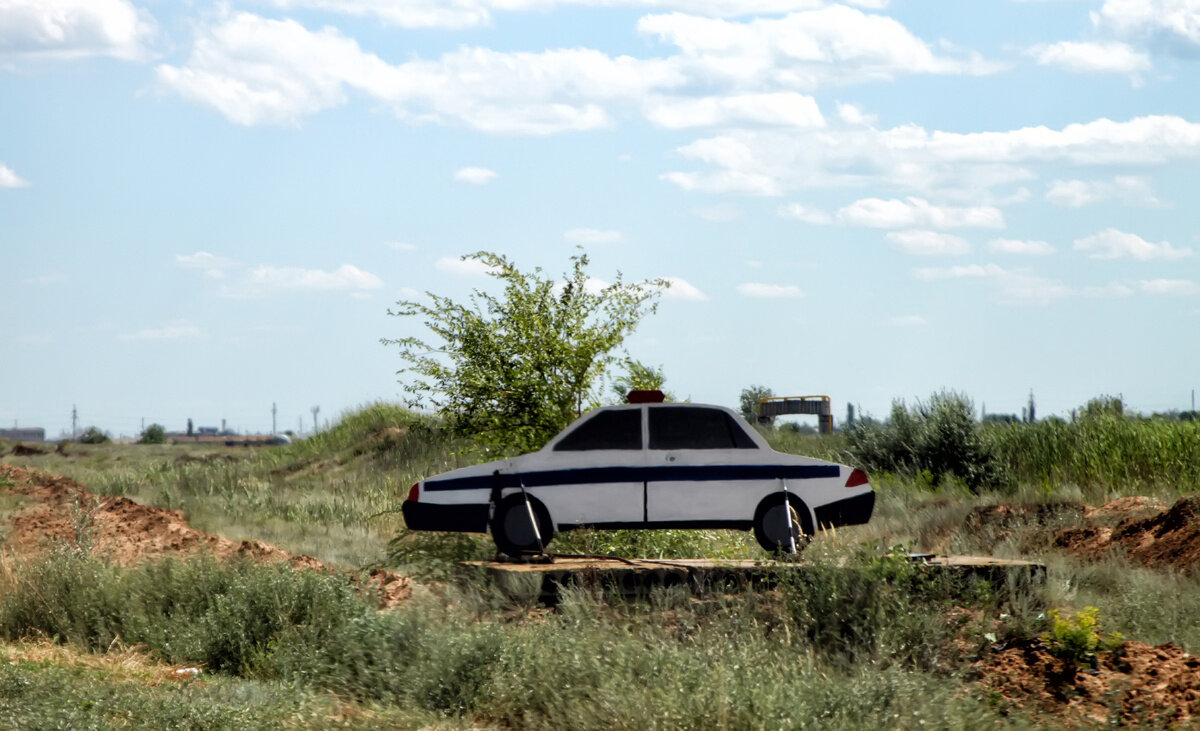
512, 530
772, 519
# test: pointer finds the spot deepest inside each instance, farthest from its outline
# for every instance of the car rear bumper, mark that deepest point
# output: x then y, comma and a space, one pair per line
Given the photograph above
470, 518
851, 511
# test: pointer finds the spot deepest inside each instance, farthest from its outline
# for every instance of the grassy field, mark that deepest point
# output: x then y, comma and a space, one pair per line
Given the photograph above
91, 644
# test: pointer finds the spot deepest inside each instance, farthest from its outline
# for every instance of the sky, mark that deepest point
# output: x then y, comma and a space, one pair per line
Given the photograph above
207, 208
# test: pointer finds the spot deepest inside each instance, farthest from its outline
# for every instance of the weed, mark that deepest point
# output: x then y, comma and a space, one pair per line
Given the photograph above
1076, 638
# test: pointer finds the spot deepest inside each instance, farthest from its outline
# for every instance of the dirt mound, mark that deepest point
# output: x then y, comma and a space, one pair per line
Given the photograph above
1170, 538
21, 449
60, 510
1137, 685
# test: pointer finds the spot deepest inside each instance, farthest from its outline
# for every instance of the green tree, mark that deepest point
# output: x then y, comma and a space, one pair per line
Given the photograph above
639, 376
748, 401
515, 368
153, 434
94, 435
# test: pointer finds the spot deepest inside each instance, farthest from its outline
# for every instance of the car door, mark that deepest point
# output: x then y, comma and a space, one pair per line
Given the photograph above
593, 473
697, 457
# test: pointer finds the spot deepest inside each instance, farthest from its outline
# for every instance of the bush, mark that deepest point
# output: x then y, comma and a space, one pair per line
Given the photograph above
938, 438
153, 434
94, 435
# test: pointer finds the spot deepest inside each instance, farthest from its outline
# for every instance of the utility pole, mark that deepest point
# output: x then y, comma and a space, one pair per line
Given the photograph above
315, 410
74, 422
273, 410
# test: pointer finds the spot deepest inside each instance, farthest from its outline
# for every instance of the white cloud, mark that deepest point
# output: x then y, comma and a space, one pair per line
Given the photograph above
800, 212
1113, 244
769, 291
912, 212
256, 70
462, 267
593, 236
681, 289
928, 243
475, 175
401, 246
178, 330
68, 29
476, 13
10, 179
1020, 247
1170, 21
214, 267
802, 50
1019, 286
953, 165
959, 272
1091, 57
292, 279
1012, 286
853, 115
906, 321
1078, 193
783, 109
1181, 287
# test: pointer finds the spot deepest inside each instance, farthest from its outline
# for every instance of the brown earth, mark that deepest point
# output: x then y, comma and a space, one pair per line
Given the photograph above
1137, 685
1167, 539
59, 510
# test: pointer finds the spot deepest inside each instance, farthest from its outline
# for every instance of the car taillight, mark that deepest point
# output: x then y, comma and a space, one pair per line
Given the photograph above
412, 493
857, 477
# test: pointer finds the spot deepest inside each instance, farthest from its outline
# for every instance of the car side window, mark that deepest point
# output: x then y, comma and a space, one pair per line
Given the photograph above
684, 427
620, 429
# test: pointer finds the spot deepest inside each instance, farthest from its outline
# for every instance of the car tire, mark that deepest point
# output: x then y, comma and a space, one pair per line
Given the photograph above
512, 530
771, 521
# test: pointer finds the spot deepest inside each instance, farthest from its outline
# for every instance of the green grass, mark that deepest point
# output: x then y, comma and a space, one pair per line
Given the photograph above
858, 640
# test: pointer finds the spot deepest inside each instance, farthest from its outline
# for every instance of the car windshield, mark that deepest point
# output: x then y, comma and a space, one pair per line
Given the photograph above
688, 427
618, 429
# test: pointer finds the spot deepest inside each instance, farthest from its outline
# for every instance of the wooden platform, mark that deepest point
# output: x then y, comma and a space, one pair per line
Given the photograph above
639, 577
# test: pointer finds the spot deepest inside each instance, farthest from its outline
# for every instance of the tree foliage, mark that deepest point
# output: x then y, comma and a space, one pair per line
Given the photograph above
748, 401
515, 368
94, 435
640, 376
153, 434
938, 437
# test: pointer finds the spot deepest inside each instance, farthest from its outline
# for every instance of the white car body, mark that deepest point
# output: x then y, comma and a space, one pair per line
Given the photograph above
650, 465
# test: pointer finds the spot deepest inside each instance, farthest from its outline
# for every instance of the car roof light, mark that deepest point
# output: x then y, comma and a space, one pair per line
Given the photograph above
640, 396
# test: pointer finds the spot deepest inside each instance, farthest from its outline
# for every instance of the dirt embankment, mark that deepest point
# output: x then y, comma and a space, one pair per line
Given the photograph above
1137, 685
1170, 538
59, 510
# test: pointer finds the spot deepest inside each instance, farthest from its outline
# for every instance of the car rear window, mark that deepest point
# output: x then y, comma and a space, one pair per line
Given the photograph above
621, 429
683, 427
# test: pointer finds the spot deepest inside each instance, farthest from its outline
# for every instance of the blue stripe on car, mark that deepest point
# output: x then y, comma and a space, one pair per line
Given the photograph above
590, 475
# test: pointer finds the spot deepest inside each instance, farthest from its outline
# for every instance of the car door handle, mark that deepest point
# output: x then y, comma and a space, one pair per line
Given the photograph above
670, 458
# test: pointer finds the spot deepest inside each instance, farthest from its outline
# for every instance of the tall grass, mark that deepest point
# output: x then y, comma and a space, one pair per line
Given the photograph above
1102, 453
823, 652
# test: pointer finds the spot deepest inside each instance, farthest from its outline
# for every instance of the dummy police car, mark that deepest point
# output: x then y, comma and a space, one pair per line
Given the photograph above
645, 465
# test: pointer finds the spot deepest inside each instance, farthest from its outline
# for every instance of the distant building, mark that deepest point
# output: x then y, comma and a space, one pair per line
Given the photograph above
35, 434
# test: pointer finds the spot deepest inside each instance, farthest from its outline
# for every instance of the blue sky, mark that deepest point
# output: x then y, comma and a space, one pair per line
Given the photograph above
207, 208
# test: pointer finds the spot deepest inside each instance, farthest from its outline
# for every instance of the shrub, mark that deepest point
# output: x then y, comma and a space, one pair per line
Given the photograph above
940, 438
153, 434
1075, 639
94, 435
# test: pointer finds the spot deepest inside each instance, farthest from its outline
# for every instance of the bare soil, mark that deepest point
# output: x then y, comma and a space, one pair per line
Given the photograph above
59, 510
1166, 539
1137, 685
